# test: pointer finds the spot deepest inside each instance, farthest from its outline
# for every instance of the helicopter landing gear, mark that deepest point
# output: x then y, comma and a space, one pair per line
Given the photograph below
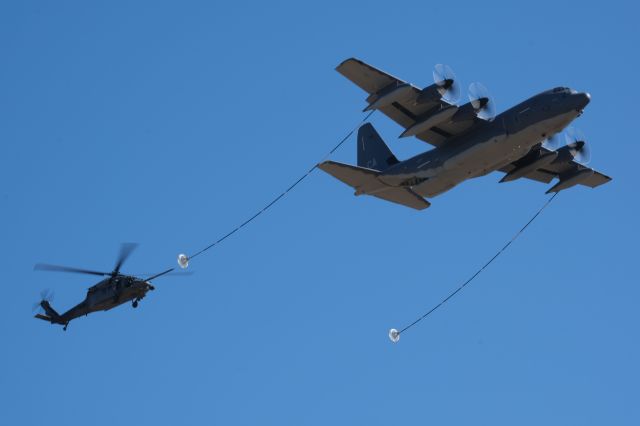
135, 303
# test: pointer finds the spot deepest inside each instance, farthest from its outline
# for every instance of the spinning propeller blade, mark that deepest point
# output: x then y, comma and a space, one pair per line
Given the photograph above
125, 251
552, 142
57, 268
482, 102
577, 145
46, 295
445, 79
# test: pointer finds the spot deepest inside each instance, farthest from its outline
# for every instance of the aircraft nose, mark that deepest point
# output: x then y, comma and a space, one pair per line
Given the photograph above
583, 99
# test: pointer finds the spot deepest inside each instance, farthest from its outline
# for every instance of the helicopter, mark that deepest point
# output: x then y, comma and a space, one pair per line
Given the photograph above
112, 291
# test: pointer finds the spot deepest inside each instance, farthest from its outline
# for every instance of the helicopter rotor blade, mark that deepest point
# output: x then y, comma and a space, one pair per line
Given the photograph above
125, 251
46, 295
159, 275
58, 268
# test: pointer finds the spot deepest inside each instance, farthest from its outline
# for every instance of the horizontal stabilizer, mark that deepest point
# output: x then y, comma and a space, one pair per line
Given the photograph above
50, 314
403, 196
360, 178
365, 181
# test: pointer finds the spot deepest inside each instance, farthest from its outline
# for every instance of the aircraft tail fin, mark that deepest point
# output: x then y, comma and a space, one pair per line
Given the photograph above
50, 314
373, 153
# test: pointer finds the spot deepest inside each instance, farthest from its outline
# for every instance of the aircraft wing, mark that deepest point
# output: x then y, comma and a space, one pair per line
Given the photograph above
405, 111
547, 173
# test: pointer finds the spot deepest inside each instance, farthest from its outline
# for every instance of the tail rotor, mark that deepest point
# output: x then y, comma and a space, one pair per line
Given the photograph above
46, 295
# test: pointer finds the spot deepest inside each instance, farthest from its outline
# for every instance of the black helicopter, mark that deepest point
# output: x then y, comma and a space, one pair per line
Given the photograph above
107, 294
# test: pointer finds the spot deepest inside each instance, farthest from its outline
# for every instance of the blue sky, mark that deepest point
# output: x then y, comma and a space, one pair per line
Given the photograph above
168, 123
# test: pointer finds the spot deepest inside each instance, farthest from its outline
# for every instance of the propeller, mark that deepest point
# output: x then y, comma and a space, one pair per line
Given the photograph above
578, 147
125, 251
482, 102
46, 295
552, 142
445, 80
57, 268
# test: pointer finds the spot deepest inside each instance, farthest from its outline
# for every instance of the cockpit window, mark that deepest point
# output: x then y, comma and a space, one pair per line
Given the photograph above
560, 89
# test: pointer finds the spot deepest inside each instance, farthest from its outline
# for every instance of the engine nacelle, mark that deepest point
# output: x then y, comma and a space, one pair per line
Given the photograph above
433, 120
525, 169
429, 95
465, 112
565, 153
385, 99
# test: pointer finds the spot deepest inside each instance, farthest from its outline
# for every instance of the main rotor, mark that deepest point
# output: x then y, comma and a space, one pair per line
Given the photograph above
125, 251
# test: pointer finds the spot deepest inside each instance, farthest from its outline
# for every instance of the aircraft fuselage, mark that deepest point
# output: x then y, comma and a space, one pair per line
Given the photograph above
107, 294
489, 146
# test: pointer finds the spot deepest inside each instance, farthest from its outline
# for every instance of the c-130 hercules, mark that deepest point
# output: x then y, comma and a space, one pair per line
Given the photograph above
469, 141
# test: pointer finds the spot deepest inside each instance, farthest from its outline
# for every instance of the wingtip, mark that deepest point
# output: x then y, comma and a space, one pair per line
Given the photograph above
321, 165
351, 59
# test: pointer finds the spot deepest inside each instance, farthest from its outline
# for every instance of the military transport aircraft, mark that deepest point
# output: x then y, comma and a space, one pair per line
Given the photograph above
470, 141
107, 294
